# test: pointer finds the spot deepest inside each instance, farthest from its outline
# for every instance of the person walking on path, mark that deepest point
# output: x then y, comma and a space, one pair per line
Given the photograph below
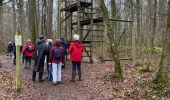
48, 46
39, 58
27, 51
76, 48
65, 46
14, 52
56, 58
10, 50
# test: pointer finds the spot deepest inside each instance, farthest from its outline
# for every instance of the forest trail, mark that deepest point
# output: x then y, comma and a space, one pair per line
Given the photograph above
93, 87
96, 84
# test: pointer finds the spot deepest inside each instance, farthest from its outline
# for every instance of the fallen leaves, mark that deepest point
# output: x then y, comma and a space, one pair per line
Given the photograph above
94, 86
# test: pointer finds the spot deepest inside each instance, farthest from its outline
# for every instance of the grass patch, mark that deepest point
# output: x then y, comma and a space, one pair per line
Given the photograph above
111, 76
151, 90
143, 70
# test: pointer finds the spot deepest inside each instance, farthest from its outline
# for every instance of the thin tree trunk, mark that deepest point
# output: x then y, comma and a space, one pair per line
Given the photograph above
154, 24
49, 18
59, 18
113, 14
163, 74
38, 17
133, 33
43, 22
114, 49
32, 19
14, 16
21, 13
1, 20
138, 20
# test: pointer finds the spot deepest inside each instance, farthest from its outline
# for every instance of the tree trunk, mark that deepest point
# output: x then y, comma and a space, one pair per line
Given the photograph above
59, 17
38, 17
138, 20
133, 33
49, 18
32, 19
21, 13
163, 74
1, 21
14, 16
154, 24
43, 22
114, 48
113, 14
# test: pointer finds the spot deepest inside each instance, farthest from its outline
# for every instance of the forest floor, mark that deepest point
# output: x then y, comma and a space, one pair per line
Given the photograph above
96, 84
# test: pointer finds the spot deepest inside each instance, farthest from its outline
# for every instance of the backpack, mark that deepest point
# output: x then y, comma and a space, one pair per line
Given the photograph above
58, 53
29, 48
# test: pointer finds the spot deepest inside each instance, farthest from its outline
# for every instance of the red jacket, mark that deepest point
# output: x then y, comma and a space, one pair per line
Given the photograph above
76, 48
52, 59
25, 52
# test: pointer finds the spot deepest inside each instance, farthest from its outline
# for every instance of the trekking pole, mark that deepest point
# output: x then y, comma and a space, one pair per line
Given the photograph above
18, 44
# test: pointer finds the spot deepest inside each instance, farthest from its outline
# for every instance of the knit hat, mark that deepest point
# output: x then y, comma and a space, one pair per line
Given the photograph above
76, 37
49, 40
57, 42
41, 39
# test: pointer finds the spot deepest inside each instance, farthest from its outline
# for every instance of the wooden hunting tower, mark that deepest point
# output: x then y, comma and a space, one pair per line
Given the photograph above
82, 17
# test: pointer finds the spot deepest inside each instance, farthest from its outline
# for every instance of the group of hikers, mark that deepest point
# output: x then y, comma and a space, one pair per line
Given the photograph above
53, 52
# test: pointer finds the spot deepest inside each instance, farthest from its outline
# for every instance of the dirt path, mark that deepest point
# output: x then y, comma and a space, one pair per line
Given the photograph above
91, 88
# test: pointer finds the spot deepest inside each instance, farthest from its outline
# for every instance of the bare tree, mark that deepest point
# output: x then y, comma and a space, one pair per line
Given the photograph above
154, 24
113, 45
32, 19
163, 75
49, 18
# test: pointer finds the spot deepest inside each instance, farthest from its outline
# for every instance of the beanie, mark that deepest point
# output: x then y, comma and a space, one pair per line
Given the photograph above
76, 37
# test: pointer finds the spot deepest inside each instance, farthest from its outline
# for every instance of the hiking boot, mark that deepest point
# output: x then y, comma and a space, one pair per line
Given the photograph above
80, 74
72, 80
80, 80
73, 76
54, 83
59, 82
41, 80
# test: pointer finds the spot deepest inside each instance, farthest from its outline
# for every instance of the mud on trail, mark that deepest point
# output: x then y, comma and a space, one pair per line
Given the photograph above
93, 87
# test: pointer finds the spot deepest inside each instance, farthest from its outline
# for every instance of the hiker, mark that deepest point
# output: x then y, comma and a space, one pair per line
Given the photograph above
56, 58
65, 46
39, 58
48, 46
14, 51
75, 50
10, 49
27, 51
23, 57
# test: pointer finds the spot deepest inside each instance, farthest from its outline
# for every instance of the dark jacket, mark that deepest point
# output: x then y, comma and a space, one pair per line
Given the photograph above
47, 51
47, 48
64, 45
10, 47
39, 55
